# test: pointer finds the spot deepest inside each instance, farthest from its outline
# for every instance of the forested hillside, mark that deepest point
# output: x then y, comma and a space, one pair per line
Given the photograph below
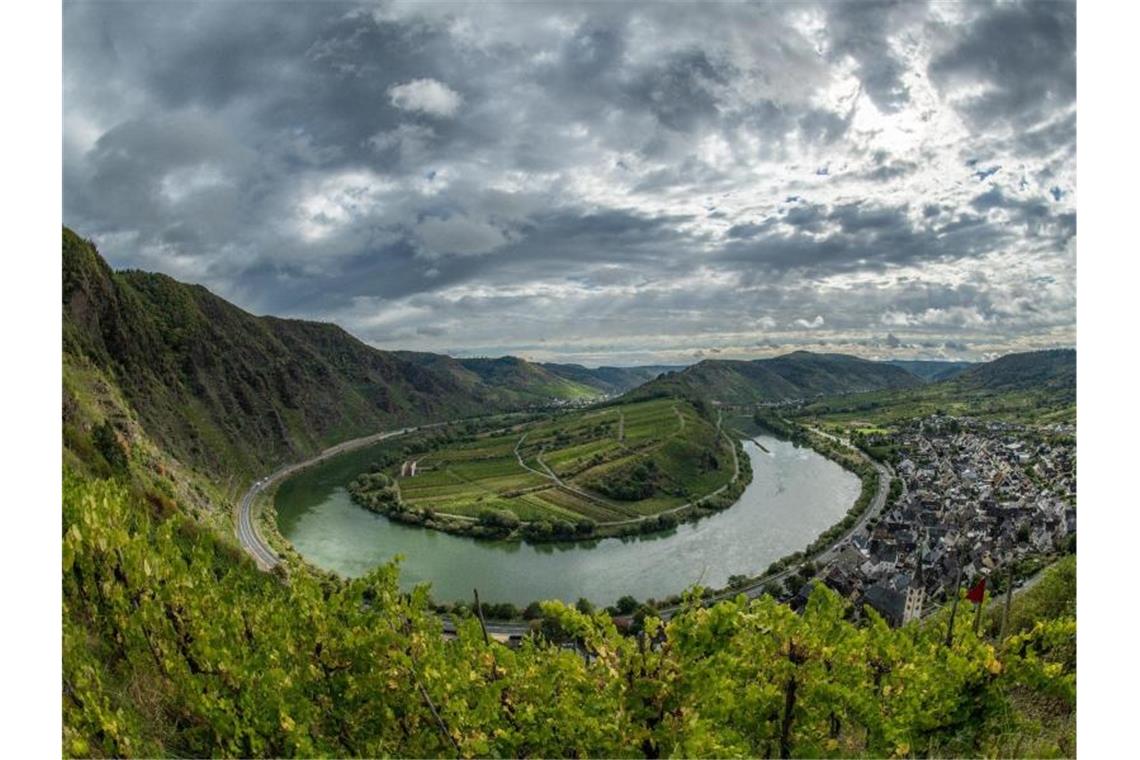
506, 379
1036, 386
797, 375
1032, 370
235, 394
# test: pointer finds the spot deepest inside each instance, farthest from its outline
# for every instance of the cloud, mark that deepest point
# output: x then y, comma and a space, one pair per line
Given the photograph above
810, 325
1013, 64
458, 235
608, 183
426, 96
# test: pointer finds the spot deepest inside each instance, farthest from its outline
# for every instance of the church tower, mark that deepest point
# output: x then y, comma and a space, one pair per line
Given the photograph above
915, 595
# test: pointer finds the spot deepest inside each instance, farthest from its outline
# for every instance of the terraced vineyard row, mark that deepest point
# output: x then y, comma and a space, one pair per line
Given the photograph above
606, 465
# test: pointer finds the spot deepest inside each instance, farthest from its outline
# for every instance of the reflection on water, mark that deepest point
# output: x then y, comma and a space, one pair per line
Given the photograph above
794, 496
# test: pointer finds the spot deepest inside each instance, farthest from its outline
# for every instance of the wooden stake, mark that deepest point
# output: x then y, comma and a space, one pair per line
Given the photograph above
954, 607
479, 613
978, 613
1008, 601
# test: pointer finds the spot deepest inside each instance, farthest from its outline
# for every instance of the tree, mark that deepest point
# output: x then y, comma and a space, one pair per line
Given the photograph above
626, 605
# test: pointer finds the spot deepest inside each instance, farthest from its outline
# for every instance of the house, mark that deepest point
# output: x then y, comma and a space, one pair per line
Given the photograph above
887, 602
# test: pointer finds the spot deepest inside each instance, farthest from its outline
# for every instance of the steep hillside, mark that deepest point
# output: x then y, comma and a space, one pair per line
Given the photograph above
507, 379
517, 378
798, 375
1033, 370
230, 393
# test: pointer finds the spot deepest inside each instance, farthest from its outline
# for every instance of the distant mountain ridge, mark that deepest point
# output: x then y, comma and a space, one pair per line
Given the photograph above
611, 380
932, 370
798, 375
542, 380
507, 379
1053, 369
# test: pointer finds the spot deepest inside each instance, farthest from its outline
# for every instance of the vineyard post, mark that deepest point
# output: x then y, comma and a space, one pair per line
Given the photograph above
482, 622
1008, 601
953, 607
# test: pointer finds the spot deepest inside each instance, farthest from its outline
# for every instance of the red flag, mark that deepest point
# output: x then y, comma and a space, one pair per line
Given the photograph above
978, 592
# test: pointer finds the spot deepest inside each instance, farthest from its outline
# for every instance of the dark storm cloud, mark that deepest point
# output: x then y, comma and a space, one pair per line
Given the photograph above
679, 92
863, 31
1024, 53
587, 180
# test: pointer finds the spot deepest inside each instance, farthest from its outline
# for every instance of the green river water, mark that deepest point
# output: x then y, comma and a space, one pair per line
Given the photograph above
794, 496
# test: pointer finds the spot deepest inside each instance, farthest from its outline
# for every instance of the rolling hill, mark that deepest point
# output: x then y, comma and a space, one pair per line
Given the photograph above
1055, 369
508, 380
1037, 387
793, 376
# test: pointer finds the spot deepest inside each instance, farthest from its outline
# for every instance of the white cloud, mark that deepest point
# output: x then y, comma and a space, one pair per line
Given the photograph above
813, 324
427, 96
335, 202
182, 183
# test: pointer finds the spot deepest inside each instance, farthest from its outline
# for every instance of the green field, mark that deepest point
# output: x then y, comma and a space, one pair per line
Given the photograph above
607, 465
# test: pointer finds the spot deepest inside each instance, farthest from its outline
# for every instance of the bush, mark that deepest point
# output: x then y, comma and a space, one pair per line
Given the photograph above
562, 529
499, 518
539, 530
585, 527
108, 443
501, 611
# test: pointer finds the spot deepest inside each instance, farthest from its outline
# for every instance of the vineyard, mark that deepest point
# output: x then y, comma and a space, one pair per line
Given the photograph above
574, 473
174, 644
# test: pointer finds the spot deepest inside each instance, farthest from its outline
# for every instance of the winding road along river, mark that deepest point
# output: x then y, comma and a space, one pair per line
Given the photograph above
794, 496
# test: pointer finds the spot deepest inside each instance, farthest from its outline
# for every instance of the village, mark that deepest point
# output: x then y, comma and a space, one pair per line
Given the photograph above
977, 500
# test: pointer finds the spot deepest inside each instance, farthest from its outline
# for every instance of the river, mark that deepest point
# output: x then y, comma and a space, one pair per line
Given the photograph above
795, 495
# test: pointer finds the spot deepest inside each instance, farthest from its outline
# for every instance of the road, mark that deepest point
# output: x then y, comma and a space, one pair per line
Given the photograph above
247, 533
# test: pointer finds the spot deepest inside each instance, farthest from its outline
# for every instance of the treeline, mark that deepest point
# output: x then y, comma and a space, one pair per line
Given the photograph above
773, 423
174, 644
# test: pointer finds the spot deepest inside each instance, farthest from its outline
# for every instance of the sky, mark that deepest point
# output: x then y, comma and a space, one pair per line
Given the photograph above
602, 183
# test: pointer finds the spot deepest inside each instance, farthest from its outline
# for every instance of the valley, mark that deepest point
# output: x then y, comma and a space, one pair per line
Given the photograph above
204, 445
